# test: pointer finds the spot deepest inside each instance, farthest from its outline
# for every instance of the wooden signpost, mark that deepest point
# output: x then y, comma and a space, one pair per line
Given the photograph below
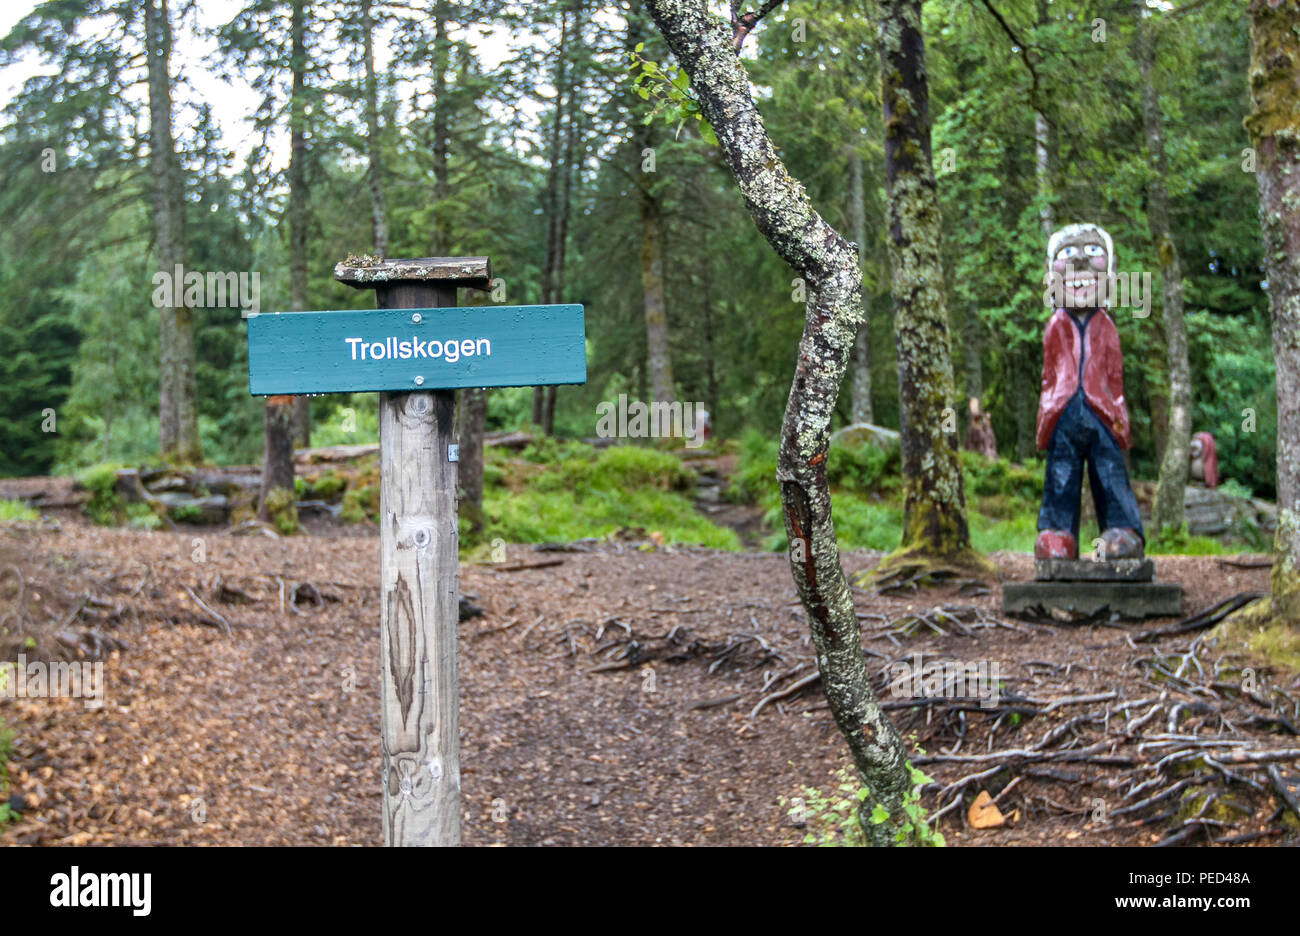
415, 349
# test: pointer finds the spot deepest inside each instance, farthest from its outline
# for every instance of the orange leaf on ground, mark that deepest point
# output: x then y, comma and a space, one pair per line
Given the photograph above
984, 813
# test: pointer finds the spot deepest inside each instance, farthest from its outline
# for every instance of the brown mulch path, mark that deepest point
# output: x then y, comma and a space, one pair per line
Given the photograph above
269, 735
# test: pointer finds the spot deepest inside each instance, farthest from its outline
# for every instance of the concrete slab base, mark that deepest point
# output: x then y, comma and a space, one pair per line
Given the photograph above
1067, 600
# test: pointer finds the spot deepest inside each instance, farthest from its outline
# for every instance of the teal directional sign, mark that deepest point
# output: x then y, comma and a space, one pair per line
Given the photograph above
414, 349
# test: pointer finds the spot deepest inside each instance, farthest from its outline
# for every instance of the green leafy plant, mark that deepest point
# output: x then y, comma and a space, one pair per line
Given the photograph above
670, 90
1180, 543
7, 815
835, 819
12, 511
103, 506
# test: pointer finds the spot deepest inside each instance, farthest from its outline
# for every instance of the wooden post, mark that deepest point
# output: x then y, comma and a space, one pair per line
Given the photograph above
414, 359
418, 576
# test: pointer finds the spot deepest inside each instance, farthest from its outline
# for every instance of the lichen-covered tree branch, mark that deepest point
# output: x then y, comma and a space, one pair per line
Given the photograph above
828, 264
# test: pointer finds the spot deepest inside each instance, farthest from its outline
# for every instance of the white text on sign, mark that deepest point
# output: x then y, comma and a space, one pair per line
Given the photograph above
393, 348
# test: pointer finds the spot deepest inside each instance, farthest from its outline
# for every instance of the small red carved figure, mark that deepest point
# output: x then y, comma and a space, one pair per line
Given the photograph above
1204, 460
1082, 416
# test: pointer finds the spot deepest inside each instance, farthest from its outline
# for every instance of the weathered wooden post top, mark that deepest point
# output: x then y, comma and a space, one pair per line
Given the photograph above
415, 348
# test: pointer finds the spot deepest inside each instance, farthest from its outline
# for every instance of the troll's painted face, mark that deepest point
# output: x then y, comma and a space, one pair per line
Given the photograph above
1081, 260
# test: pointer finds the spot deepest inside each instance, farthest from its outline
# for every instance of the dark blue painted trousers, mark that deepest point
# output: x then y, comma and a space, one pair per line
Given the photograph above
1080, 436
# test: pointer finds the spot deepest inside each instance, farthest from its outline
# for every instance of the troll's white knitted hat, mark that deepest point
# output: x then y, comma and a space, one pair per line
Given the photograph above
1071, 230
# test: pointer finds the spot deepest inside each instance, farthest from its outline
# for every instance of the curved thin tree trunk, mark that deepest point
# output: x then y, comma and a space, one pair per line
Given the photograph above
780, 209
1171, 491
1274, 127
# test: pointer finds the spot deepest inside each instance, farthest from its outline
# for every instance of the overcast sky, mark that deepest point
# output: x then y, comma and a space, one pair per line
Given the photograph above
232, 101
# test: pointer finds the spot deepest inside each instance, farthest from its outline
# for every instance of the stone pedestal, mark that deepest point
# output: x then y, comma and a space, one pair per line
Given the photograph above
1065, 589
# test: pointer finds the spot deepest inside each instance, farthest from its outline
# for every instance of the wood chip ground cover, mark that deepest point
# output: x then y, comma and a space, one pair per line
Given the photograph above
604, 700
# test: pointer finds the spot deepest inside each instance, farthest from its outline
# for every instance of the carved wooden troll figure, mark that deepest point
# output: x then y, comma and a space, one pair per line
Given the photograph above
1082, 417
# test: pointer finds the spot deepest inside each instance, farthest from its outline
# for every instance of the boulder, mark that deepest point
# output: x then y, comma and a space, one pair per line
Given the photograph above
859, 434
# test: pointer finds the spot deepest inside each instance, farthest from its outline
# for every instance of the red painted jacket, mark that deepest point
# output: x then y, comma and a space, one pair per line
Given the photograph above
1102, 372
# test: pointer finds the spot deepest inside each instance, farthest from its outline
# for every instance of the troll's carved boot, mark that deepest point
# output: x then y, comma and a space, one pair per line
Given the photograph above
1055, 544
1120, 543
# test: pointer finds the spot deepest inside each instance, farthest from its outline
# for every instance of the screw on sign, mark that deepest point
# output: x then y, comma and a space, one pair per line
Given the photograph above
417, 338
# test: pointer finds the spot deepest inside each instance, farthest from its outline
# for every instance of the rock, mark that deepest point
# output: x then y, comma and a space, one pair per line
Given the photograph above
185, 508
859, 434
1211, 512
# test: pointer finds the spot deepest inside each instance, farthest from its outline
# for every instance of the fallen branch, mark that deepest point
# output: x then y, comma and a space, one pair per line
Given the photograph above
520, 566
713, 703
1201, 621
784, 693
225, 625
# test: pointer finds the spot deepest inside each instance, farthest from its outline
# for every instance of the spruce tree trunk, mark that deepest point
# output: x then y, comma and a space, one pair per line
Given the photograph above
781, 211
973, 349
374, 164
439, 238
1043, 174
469, 470
1043, 148
658, 359
283, 422
934, 506
278, 502
1274, 127
860, 400
298, 199
1171, 490
178, 426
543, 401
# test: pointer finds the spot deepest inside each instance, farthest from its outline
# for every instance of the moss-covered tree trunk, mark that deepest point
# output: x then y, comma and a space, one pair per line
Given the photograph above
1274, 127
934, 506
779, 206
1168, 509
